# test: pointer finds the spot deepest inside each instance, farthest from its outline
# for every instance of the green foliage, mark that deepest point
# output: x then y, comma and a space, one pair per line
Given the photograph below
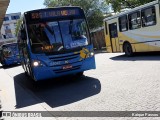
96, 20
18, 26
117, 5
92, 8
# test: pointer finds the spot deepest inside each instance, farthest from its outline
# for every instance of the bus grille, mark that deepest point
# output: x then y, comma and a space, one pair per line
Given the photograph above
74, 61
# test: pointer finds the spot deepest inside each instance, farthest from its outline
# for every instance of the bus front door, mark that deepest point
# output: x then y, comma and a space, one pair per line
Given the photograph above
114, 37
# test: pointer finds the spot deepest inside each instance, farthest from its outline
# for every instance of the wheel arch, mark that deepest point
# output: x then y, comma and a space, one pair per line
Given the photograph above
133, 48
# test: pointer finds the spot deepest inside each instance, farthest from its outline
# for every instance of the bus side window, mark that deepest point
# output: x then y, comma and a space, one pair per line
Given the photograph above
113, 30
148, 17
123, 23
134, 20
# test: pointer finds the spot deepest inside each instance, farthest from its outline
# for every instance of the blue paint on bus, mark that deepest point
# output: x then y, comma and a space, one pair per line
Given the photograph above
56, 43
10, 54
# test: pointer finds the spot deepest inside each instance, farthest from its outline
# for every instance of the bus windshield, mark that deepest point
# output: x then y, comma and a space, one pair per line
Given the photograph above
58, 35
10, 50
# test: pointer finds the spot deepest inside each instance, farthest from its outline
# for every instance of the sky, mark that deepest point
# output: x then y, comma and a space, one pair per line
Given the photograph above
24, 5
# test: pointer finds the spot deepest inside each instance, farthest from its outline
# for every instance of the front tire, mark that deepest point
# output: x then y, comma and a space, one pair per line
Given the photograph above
128, 49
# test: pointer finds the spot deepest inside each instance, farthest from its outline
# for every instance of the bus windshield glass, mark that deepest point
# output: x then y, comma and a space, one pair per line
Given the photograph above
58, 35
10, 50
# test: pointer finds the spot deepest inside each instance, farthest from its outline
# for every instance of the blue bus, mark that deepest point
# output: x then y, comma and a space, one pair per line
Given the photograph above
54, 42
9, 54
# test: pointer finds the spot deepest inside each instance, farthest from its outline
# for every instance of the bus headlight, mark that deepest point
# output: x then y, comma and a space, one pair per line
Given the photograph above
37, 63
91, 54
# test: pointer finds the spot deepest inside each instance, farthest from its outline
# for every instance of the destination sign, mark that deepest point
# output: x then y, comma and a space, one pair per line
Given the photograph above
53, 13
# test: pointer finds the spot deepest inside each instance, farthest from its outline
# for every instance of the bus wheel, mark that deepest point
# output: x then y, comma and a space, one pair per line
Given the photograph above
128, 49
79, 74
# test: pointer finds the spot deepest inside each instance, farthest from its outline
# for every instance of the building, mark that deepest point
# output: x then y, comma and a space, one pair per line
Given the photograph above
7, 33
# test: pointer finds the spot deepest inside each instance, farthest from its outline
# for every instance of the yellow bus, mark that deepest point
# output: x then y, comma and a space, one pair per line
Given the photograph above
136, 30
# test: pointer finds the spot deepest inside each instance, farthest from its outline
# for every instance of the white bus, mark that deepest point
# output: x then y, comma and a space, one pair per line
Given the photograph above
136, 30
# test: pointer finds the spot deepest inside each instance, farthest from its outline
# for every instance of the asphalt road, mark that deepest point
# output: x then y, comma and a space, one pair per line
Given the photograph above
119, 83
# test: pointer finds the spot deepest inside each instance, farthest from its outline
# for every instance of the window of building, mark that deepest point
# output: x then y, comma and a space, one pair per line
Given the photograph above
15, 24
6, 18
9, 35
7, 27
4, 36
123, 23
148, 17
134, 20
15, 17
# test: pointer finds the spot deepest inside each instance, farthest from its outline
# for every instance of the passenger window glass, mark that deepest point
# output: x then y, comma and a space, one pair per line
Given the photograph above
148, 17
123, 23
134, 20
113, 30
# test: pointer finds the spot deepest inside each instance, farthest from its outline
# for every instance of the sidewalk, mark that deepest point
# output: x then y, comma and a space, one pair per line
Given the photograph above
9, 98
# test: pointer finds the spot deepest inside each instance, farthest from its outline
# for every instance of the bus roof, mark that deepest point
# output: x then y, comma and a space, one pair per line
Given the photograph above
132, 10
53, 8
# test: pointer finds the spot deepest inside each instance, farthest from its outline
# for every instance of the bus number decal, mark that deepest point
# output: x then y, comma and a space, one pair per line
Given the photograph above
35, 15
49, 14
48, 48
64, 12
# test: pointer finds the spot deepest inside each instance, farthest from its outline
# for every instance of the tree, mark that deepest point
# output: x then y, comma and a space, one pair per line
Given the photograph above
117, 5
92, 8
18, 26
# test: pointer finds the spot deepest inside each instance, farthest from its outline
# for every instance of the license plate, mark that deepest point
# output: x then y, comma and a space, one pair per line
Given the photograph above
67, 67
